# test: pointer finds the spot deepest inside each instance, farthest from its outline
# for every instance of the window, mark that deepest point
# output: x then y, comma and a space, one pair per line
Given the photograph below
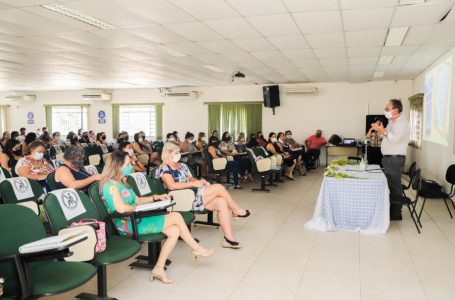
66, 118
235, 117
415, 119
133, 118
3, 118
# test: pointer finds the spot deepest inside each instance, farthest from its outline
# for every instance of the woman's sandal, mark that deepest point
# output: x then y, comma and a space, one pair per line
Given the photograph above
230, 244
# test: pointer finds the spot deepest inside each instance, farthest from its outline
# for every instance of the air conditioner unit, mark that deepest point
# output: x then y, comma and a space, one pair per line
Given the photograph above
180, 94
301, 90
21, 98
97, 97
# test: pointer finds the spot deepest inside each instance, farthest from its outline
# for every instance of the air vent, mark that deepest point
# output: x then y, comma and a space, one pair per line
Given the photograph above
7, 61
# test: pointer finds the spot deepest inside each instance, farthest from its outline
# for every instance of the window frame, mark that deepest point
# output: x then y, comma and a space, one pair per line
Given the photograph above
50, 122
158, 119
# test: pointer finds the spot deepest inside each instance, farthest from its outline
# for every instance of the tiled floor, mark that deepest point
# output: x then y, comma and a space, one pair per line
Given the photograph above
283, 260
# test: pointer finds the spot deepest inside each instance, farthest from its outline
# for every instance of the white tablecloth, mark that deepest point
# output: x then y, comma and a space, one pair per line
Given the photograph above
353, 204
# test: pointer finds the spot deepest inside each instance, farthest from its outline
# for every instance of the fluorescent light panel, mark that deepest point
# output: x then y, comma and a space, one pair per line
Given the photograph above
213, 68
378, 74
79, 16
385, 60
395, 36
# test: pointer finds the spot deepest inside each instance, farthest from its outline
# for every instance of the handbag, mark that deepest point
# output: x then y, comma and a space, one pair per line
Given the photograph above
100, 232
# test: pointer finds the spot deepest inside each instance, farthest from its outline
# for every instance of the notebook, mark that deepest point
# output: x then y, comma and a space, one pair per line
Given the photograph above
153, 205
53, 242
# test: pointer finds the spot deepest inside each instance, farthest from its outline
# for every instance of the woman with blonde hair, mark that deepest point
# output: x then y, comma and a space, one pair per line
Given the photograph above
118, 196
214, 197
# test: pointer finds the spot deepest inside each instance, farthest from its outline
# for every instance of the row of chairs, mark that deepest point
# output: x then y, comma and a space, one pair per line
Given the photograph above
426, 189
119, 248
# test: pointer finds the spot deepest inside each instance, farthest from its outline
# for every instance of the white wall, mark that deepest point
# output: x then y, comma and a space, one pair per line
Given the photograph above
337, 108
433, 158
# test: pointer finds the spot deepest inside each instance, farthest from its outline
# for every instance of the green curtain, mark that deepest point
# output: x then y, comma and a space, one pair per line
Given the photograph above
159, 122
235, 117
115, 120
49, 118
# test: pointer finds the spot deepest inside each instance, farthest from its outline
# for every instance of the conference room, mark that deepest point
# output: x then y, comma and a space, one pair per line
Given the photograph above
227, 149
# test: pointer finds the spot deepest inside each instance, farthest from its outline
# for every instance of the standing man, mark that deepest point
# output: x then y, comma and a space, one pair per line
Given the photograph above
314, 144
394, 148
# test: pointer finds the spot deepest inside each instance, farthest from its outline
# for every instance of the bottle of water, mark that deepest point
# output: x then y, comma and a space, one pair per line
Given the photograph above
362, 165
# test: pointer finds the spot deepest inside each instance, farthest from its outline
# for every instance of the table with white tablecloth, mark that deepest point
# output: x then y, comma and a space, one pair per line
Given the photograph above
357, 204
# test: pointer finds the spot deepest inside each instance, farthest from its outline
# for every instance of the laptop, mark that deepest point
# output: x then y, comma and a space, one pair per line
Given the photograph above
348, 142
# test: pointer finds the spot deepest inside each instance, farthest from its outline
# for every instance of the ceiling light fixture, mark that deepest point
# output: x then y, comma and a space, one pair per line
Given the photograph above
378, 74
166, 50
395, 36
385, 60
79, 16
213, 68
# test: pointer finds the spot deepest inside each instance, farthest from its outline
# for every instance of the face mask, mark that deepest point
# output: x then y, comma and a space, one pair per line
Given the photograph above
172, 139
318, 135
228, 138
103, 137
176, 158
289, 136
38, 155
140, 140
127, 170
130, 152
388, 114
273, 140
18, 152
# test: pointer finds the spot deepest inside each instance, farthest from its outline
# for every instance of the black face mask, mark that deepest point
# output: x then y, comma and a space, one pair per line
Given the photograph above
74, 139
318, 135
103, 137
228, 138
18, 152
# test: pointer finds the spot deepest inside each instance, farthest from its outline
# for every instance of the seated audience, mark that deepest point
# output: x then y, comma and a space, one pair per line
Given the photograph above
128, 148
14, 135
201, 143
11, 154
273, 148
314, 144
261, 141
73, 139
23, 132
118, 196
252, 142
296, 155
228, 148
85, 139
195, 156
141, 146
176, 137
240, 143
56, 140
232, 165
92, 137
170, 137
43, 132
29, 138
6, 136
101, 142
34, 165
214, 133
214, 197
72, 174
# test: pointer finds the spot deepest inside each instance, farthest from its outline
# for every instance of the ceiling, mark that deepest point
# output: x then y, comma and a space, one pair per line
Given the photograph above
271, 41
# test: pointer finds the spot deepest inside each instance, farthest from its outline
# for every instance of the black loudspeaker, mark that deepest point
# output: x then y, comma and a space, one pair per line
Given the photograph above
373, 118
335, 140
271, 95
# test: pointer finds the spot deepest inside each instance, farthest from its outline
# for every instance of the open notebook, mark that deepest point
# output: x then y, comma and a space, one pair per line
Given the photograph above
153, 205
53, 242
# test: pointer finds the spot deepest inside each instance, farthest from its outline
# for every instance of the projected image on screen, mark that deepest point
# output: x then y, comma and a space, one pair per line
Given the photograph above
436, 108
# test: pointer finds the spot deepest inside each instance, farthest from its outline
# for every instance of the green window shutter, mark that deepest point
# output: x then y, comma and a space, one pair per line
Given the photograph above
115, 120
214, 117
49, 118
254, 118
159, 122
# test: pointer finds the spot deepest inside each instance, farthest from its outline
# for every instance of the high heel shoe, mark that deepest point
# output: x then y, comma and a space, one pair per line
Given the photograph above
230, 244
161, 276
202, 252
246, 215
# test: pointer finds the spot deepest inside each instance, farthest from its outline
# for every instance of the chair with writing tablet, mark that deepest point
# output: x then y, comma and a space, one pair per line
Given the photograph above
145, 186
32, 271
153, 240
66, 206
262, 167
22, 191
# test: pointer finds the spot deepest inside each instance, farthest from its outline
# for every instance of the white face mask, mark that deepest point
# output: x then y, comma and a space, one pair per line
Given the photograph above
38, 155
177, 158
388, 114
273, 140
140, 140
172, 139
130, 152
289, 136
